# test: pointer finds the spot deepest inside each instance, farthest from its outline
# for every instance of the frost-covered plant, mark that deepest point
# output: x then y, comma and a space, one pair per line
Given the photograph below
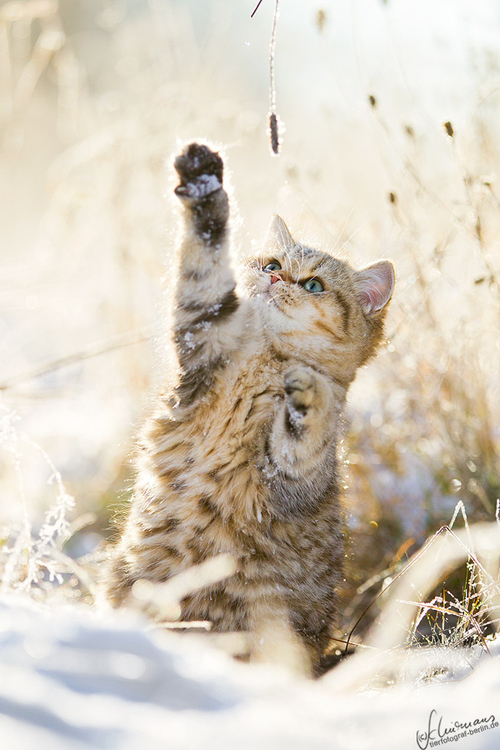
468, 620
31, 559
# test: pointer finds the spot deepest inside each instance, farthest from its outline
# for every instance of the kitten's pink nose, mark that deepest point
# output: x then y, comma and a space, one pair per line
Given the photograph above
275, 278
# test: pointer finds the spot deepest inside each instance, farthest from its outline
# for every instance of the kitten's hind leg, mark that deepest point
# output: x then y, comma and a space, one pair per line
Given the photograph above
305, 428
207, 323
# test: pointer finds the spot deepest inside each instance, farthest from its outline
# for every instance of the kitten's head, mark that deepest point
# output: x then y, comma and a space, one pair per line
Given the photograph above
317, 307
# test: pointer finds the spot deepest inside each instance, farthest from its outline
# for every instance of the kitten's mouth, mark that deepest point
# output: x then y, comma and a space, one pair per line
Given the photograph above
273, 292
274, 296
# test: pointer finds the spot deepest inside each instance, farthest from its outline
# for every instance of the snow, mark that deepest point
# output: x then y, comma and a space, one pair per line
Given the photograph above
203, 186
296, 417
205, 325
189, 341
74, 679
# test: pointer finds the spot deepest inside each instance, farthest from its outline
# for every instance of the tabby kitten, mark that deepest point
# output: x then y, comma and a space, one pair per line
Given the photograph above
240, 456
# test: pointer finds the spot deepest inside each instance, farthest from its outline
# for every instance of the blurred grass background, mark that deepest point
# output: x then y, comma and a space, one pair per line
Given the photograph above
95, 98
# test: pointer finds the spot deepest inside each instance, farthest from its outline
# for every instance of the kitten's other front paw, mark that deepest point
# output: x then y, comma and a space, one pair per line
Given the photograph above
200, 172
301, 388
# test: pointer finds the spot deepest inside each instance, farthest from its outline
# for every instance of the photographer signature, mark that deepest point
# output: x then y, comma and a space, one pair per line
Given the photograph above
437, 729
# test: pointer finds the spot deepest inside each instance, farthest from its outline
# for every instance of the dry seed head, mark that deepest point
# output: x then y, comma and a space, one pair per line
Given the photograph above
449, 128
274, 133
320, 19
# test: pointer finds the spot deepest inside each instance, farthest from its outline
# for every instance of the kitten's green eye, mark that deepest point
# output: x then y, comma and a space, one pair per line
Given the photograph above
313, 285
272, 266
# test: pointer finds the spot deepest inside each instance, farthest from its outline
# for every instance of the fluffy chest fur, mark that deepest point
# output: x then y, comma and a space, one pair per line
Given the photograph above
207, 480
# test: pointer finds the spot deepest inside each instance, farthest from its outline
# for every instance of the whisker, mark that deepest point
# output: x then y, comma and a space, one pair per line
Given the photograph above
342, 231
350, 238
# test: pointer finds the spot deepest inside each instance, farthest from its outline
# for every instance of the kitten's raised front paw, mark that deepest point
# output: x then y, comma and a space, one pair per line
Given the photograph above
200, 172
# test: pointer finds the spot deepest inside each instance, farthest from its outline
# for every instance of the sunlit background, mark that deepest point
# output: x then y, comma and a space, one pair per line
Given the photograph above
390, 148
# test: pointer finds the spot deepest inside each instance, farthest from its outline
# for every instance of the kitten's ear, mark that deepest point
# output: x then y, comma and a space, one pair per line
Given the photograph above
278, 235
374, 286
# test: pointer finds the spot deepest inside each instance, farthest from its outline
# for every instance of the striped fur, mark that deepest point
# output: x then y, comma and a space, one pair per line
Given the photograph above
240, 456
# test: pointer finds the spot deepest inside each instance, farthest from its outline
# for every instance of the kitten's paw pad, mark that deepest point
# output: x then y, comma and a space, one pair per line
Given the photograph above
300, 388
200, 172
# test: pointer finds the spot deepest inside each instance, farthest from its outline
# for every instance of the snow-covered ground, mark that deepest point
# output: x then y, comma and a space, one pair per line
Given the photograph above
73, 679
